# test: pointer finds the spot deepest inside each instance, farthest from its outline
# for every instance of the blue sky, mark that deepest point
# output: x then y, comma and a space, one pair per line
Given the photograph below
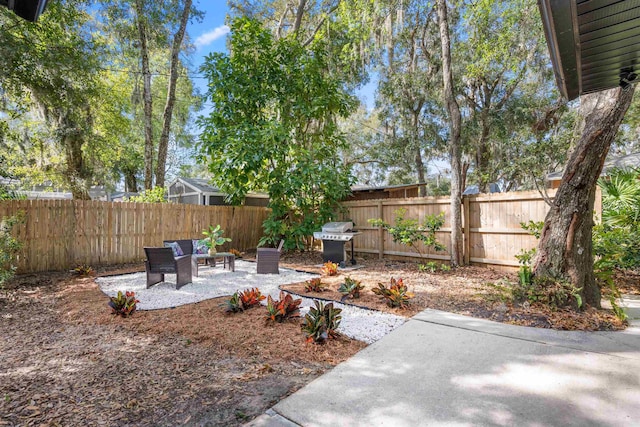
210, 35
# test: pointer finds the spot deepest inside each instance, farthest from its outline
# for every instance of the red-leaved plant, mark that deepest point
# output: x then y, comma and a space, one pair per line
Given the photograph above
330, 268
284, 308
123, 304
251, 298
396, 294
315, 285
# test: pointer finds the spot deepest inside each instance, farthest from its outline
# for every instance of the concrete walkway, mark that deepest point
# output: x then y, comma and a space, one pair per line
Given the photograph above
442, 369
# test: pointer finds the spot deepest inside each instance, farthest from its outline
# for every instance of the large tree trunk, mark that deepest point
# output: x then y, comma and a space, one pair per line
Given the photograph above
455, 152
76, 172
419, 163
130, 181
148, 106
163, 144
565, 247
482, 153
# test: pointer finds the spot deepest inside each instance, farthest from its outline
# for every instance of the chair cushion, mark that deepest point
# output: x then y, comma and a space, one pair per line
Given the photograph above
200, 247
175, 247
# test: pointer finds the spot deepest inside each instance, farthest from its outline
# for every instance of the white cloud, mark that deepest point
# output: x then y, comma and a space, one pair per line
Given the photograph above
211, 36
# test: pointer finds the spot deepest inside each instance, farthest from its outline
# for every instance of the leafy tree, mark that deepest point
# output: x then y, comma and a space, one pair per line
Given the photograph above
51, 76
150, 35
408, 97
455, 148
274, 128
155, 195
565, 247
502, 58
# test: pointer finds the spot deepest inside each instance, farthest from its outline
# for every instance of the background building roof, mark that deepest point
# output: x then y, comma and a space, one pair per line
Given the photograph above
629, 161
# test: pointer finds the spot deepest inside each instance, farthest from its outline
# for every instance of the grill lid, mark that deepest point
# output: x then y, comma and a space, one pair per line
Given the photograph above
337, 227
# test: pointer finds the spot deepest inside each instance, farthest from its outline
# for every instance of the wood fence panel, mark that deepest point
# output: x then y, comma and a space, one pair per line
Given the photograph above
60, 234
492, 230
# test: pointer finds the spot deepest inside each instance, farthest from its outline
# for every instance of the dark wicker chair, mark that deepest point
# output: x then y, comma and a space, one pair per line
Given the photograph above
187, 248
267, 260
160, 261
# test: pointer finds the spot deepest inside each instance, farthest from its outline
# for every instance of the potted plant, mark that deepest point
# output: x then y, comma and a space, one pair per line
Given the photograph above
214, 238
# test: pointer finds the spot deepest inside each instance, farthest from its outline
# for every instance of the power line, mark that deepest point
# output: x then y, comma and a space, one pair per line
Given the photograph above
154, 73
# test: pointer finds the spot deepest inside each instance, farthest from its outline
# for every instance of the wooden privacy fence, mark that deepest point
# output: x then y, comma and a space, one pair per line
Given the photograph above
491, 225
60, 234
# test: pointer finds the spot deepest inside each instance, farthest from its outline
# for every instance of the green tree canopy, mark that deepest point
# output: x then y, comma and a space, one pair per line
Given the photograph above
273, 127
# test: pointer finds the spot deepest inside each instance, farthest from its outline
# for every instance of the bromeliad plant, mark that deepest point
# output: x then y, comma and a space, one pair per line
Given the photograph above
396, 294
251, 298
315, 285
123, 304
350, 288
330, 268
321, 322
234, 305
284, 308
84, 270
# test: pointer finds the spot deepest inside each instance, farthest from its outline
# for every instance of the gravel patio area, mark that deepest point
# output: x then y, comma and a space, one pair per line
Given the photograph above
213, 282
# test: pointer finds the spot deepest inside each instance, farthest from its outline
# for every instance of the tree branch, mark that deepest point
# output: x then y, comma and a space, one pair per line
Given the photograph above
322, 21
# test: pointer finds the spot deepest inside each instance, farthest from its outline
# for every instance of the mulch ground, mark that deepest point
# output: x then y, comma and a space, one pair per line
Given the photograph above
471, 290
67, 361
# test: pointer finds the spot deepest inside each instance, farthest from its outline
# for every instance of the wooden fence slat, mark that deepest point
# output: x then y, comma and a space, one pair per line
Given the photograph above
63, 233
491, 224
60, 234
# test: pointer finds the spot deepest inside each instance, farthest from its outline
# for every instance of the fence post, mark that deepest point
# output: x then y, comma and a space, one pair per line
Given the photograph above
380, 232
597, 206
467, 230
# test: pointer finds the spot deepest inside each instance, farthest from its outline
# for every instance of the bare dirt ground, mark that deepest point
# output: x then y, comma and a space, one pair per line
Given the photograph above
67, 361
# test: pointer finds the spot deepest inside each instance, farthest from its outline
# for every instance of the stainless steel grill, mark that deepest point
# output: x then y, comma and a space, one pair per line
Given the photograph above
334, 235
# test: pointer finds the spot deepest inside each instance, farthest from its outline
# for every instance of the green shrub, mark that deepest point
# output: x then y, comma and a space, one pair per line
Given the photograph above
410, 232
155, 195
619, 246
548, 291
233, 304
9, 246
9, 194
603, 270
525, 257
617, 239
430, 267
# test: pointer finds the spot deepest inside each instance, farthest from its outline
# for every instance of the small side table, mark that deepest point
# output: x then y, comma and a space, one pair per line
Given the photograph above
228, 259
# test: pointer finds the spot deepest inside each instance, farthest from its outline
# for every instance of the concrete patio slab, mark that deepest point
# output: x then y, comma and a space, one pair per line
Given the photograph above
441, 369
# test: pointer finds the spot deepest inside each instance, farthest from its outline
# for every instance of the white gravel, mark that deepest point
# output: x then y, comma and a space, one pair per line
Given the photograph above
361, 324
